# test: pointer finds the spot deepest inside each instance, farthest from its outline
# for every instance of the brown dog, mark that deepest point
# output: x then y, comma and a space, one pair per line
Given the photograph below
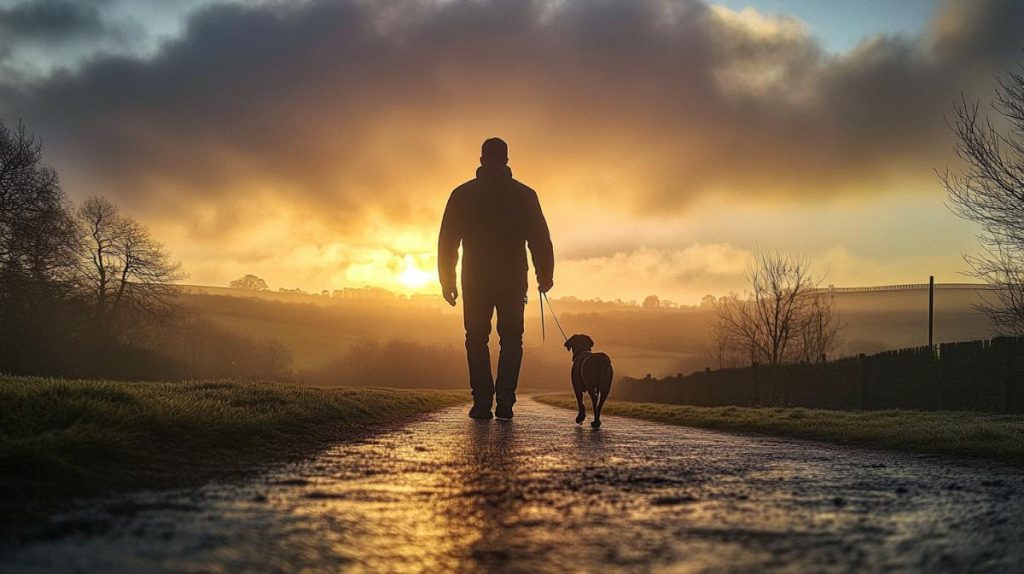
591, 372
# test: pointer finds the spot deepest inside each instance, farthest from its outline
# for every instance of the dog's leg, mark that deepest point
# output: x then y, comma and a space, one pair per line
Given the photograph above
579, 403
597, 410
604, 388
597, 413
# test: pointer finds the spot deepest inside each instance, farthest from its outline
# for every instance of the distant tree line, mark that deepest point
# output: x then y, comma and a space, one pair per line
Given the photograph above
86, 291
249, 282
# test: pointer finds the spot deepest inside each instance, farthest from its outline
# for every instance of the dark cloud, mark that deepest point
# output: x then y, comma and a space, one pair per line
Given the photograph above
350, 108
988, 32
52, 20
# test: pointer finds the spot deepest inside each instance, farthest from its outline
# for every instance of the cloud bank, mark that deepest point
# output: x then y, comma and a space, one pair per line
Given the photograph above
355, 118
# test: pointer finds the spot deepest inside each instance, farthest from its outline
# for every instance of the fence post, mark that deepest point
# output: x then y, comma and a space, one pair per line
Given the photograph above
710, 386
860, 382
1003, 372
757, 387
931, 313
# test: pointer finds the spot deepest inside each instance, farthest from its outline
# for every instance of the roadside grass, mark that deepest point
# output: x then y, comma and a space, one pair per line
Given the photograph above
62, 439
949, 433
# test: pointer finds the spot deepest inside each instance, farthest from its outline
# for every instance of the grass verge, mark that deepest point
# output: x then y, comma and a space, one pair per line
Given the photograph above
960, 434
63, 439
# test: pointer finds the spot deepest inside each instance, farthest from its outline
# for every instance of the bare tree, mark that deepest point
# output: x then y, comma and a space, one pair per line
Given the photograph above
820, 328
250, 282
73, 281
99, 219
126, 269
38, 239
990, 192
730, 343
39, 256
785, 318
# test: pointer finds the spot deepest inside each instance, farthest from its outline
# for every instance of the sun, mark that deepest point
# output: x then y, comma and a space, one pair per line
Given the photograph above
412, 276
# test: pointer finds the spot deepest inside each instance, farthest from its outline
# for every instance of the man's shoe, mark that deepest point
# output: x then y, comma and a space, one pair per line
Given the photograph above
503, 412
480, 412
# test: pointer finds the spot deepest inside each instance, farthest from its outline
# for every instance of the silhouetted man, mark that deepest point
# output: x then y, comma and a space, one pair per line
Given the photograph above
494, 217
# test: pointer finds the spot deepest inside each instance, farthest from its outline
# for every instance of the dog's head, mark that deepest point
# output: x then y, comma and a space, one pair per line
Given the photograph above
578, 344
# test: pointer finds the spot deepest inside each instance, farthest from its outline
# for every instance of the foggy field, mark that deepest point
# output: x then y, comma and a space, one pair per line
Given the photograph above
324, 334
65, 438
961, 434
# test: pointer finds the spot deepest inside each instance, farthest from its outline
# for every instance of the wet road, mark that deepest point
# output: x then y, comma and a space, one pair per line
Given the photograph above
540, 494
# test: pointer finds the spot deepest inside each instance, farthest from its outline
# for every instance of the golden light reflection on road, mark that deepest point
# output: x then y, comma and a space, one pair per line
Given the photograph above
539, 494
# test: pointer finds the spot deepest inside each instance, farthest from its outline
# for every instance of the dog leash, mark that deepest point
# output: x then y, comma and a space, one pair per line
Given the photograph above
544, 297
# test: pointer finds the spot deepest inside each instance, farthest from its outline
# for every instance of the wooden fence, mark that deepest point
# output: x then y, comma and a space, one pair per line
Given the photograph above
973, 375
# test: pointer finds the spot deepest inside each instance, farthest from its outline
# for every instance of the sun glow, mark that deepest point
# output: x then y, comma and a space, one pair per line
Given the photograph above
412, 276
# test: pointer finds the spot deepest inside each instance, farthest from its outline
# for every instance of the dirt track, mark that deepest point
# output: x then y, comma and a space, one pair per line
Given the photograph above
540, 494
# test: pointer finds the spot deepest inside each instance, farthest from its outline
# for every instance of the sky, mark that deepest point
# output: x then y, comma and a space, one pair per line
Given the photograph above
315, 143
839, 25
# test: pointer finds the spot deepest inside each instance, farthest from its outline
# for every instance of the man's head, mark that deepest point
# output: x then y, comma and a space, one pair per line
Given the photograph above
494, 152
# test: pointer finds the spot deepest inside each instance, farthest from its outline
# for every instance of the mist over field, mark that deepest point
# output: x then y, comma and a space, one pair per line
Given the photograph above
417, 342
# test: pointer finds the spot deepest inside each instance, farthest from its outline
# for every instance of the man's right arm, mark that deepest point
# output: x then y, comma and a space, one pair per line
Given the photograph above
448, 249
539, 240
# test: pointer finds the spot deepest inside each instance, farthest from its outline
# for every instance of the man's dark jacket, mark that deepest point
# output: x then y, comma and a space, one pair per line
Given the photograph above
494, 217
